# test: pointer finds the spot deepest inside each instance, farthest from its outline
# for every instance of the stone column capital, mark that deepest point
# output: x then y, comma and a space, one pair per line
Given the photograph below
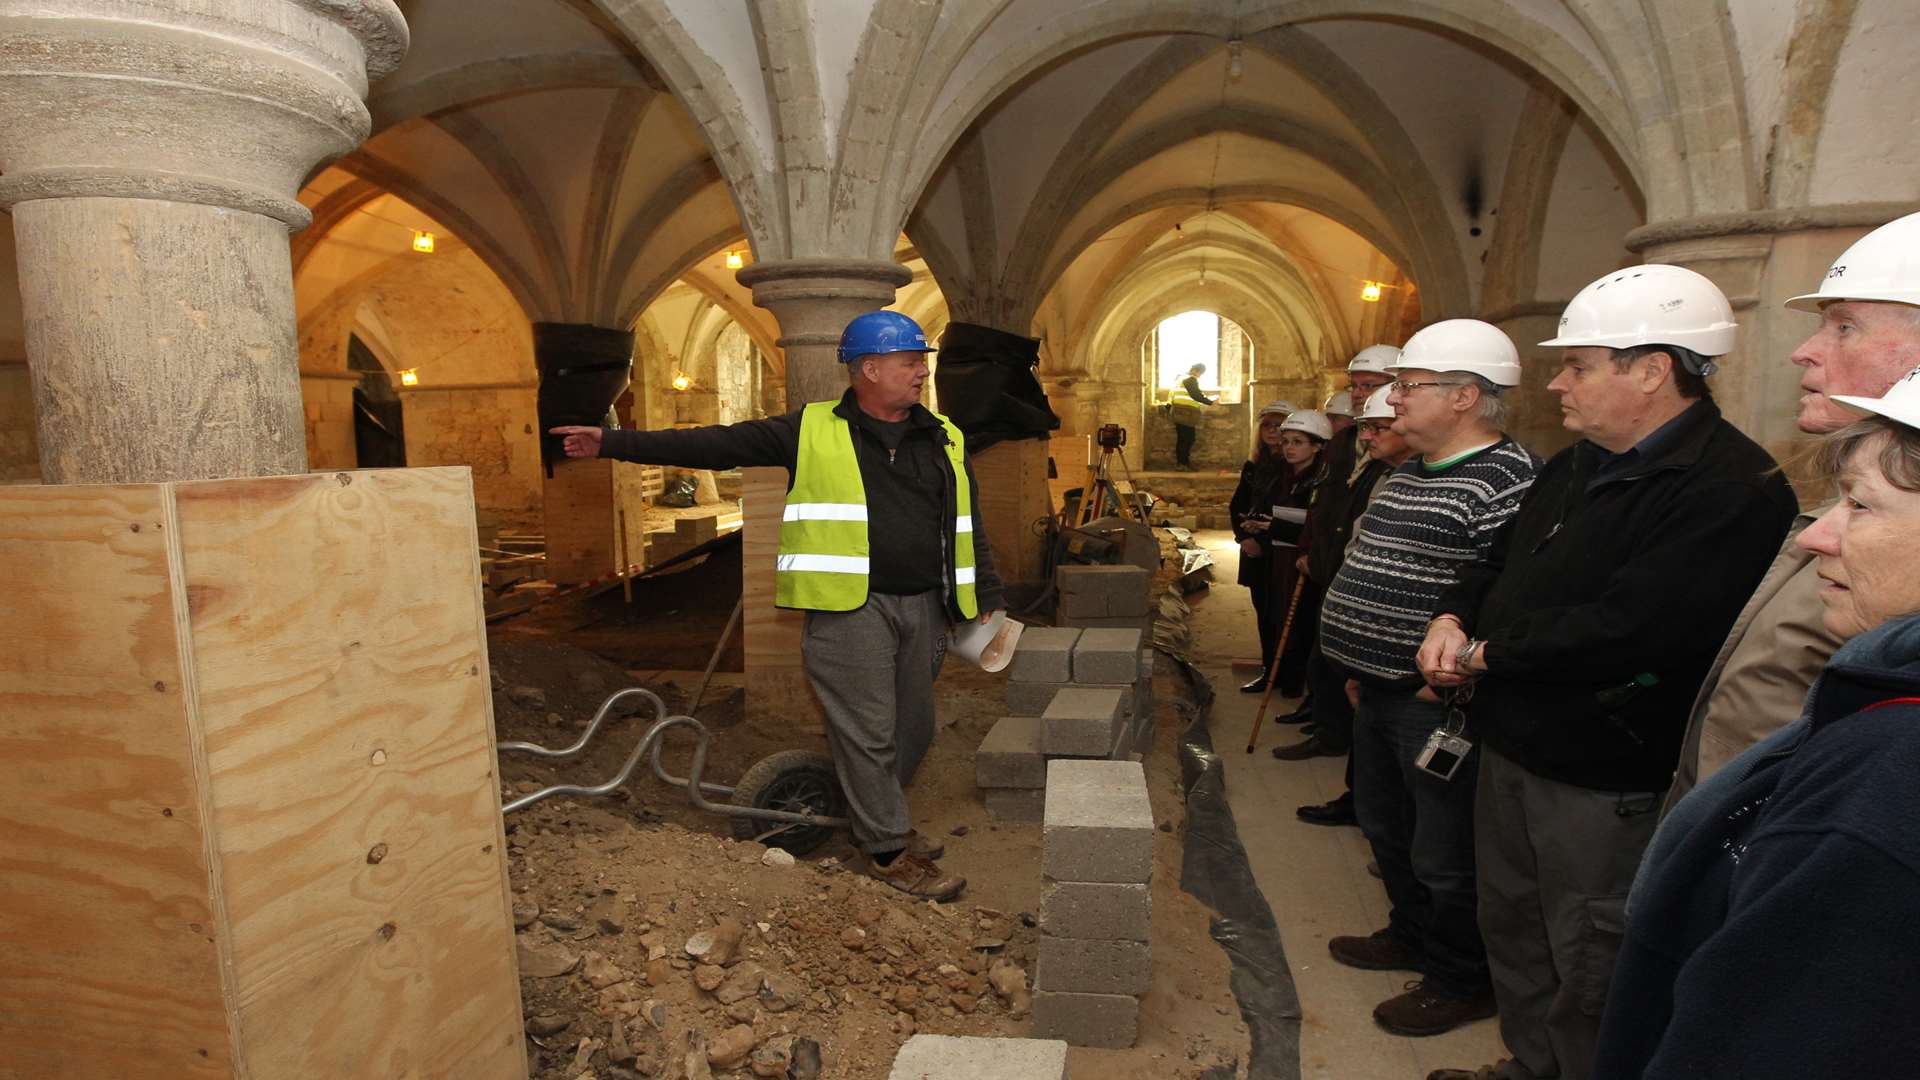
824, 279
229, 104
814, 299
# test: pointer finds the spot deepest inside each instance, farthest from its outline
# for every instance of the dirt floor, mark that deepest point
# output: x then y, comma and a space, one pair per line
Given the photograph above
614, 897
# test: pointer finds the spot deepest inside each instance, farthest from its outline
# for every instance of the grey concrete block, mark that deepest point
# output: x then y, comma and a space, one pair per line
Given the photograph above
1086, 966
971, 1057
1015, 804
1030, 698
1122, 589
1107, 1020
1101, 911
1045, 654
1107, 656
1098, 824
1079, 605
1083, 721
1009, 757
1142, 623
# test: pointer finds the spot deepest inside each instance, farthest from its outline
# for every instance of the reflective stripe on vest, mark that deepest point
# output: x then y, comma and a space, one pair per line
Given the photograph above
823, 561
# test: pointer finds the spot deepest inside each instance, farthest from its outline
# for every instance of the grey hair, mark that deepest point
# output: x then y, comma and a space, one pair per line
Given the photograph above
1492, 409
1895, 448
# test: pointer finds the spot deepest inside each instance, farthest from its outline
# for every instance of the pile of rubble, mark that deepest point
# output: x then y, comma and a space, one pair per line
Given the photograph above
655, 952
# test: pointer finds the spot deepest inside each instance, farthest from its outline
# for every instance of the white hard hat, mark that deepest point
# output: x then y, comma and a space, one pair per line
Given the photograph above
1339, 404
1311, 421
1901, 403
1374, 358
1376, 407
1462, 345
1284, 408
1655, 304
1882, 265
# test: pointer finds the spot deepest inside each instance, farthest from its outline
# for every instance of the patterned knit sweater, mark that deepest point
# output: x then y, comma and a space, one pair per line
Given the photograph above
1413, 541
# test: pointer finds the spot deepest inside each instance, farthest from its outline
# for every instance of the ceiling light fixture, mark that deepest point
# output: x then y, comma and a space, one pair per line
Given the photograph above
423, 241
1370, 292
736, 259
410, 377
1233, 59
682, 381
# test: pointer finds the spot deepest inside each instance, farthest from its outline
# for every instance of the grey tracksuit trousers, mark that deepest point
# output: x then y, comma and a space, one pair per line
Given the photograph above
873, 669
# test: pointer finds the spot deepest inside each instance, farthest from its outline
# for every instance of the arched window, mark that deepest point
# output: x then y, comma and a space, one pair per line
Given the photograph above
1201, 337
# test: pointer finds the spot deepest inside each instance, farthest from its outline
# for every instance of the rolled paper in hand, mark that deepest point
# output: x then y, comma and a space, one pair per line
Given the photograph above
990, 644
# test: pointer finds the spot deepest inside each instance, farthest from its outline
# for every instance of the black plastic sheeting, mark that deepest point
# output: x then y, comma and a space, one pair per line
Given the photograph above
1214, 869
987, 387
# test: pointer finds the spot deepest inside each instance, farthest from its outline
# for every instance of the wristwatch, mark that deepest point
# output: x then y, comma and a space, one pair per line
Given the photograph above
1463, 660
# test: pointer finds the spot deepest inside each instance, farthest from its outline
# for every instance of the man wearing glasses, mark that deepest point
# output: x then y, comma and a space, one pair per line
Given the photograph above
1436, 516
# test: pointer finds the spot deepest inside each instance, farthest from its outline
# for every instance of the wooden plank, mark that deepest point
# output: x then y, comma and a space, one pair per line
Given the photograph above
1013, 495
578, 507
343, 696
247, 779
776, 685
110, 945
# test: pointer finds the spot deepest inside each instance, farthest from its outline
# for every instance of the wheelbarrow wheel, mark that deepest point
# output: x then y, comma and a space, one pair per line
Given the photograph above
798, 781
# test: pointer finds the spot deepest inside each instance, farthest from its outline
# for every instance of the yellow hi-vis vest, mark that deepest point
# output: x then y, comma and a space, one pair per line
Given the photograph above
822, 565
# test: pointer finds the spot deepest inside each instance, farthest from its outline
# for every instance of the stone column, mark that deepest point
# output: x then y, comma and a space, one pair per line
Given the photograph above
151, 155
814, 299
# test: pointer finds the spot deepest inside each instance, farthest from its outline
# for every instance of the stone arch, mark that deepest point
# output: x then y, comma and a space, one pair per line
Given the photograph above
1494, 22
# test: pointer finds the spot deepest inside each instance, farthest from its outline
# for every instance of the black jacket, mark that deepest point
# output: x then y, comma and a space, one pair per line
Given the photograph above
1773, 930
1337, 510
1261, 488
776, 441
1604, 600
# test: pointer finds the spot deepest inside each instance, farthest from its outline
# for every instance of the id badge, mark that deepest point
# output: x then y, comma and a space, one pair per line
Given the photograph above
1443, 754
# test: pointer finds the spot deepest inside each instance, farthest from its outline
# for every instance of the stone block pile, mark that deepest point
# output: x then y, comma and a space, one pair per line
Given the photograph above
1105, 597
1096, 906
1071, 693
972, 1057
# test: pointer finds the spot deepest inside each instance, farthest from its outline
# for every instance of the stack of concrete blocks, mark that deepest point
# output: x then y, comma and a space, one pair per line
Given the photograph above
1095, 904
1070, 694
973, 1057
1106, 597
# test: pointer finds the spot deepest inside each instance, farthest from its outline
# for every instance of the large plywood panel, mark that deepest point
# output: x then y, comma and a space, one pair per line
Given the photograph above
341, 673
109, 933
776, 685
1013, 496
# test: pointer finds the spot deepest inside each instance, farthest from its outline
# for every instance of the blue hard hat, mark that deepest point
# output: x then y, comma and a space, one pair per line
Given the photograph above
880, 332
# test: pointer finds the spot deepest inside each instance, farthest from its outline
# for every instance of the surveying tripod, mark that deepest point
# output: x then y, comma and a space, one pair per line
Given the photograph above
1100, 488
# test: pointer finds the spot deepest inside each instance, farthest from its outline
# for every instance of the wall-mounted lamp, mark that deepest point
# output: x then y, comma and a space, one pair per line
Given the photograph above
410, 377
682, 381
423, 241
1370, 292
736, 259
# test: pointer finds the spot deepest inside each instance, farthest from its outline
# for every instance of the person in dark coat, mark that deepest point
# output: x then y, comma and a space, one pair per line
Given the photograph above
1269, 511
1588, 626
1772, 930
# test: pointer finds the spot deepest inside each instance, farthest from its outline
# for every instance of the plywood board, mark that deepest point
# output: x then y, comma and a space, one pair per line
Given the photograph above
110, 950
776, 684
1013, 495
247, 775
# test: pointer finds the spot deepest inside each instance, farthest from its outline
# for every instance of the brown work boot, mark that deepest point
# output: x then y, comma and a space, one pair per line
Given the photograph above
917, 876
923, 846
1425, 1011
1378, 951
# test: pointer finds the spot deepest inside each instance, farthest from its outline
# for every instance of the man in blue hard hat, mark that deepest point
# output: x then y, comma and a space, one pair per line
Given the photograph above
878, 600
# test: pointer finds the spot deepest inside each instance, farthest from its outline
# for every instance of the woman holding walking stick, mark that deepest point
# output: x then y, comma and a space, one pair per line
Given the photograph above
1268, 509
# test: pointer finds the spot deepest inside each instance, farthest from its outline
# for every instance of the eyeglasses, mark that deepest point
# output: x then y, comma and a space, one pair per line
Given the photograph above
1377, 427
1403, 387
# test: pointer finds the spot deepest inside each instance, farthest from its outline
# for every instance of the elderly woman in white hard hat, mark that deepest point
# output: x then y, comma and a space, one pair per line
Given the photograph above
1268, 510
1772, 931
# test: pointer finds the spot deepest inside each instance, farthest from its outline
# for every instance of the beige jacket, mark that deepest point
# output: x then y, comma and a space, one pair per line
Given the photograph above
1759, 682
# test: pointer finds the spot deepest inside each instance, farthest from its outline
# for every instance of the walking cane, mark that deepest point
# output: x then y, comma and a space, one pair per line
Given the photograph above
1273, 671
